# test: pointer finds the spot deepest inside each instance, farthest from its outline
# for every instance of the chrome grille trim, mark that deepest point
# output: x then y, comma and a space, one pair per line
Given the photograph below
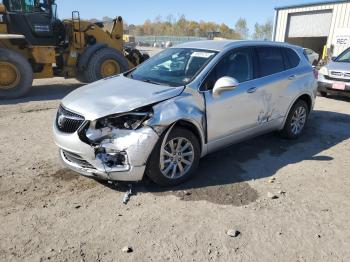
67, 121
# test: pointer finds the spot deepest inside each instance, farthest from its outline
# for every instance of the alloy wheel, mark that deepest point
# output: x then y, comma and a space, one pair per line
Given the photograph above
176, 158
298, 120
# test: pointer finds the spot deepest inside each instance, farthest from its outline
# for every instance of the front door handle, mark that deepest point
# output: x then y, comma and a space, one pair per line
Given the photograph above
251, 90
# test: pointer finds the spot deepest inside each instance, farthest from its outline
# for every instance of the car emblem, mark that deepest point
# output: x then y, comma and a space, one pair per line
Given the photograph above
60, 121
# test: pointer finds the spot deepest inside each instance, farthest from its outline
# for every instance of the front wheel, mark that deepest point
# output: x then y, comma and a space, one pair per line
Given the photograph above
175, 160
296, 120
16, 74
104, 63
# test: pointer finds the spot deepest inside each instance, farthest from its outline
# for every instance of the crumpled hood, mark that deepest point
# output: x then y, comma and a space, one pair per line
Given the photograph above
114, 95
336, 66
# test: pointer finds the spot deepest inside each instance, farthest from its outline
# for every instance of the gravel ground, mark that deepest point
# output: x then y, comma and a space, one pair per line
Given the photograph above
50, 213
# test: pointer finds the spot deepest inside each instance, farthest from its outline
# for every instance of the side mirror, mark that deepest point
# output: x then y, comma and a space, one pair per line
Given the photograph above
225, 83
333, 58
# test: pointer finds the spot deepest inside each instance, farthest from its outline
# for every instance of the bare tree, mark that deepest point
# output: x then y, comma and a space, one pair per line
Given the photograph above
241, 28
263, 31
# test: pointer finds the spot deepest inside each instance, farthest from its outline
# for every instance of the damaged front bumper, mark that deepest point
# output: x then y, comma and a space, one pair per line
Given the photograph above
122, 156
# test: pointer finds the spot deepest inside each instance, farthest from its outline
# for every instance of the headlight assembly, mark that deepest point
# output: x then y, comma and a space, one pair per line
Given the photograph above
129, 121
323, 71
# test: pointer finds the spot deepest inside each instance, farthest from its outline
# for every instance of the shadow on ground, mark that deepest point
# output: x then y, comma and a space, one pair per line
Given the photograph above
222, 176
44, 93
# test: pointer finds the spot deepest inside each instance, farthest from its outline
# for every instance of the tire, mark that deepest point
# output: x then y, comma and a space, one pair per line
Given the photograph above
289, 130
323, 94
93, 70
20, 69
153, 169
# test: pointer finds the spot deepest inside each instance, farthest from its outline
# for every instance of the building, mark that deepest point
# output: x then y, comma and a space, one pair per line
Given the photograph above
315, 26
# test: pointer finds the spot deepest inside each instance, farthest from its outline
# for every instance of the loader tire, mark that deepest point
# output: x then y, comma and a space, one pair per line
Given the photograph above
104, 63
16, 74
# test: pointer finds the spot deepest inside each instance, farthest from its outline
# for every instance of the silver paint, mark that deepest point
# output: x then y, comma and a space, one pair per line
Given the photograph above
249, 109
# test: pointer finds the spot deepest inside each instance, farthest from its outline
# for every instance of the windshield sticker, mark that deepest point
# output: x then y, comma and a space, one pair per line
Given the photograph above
202, 54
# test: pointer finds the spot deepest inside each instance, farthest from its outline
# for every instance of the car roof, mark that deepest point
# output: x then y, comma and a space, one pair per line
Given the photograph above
220, 45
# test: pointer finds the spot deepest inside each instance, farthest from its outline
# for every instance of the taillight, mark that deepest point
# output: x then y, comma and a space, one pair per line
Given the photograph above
315, 73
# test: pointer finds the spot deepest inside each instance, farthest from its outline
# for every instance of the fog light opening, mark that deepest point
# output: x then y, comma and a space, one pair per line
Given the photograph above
112, 158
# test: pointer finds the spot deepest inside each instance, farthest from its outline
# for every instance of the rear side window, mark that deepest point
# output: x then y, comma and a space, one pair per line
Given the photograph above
270, 60
291, 57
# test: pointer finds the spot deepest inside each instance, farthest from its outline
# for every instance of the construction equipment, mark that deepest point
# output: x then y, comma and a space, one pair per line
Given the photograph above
34, 44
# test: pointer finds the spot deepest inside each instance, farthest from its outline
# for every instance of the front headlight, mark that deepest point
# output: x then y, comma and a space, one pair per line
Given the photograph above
129, 121
323, 71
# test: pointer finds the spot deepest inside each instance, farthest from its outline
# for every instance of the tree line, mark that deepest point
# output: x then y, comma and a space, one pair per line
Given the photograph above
180, 26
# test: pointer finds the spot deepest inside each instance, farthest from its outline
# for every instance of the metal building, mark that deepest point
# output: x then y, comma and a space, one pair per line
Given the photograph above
315, 26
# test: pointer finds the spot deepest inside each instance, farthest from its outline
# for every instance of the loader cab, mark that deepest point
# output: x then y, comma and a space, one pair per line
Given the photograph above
35, 19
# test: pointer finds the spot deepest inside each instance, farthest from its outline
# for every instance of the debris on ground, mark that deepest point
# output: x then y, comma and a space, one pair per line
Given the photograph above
127, 195
127, 249
187, 193
272, 180
272, 196
233, 233
281, 192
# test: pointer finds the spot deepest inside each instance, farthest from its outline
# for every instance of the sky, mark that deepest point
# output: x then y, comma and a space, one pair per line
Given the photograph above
137, 11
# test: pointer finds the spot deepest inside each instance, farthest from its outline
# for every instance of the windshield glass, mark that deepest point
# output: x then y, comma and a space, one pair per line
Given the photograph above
28, 6
173, 67
344, 57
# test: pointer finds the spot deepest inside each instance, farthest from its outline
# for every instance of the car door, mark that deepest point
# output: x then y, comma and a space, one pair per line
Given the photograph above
277, 80
233, 111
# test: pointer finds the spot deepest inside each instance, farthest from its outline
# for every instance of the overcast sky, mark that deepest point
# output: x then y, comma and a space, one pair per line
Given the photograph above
137, 11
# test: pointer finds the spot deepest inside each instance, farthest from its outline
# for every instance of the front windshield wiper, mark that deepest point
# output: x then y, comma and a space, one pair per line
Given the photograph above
154, 82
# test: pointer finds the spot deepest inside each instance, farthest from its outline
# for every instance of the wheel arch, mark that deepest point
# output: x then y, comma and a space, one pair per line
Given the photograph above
304, 97
193, 128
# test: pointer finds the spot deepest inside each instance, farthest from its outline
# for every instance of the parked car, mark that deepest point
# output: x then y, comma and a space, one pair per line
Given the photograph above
312, 56
334, 78
168, 44
159, 119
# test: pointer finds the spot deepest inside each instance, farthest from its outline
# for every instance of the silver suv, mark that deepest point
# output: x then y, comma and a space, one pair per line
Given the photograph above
187, 101
334, 78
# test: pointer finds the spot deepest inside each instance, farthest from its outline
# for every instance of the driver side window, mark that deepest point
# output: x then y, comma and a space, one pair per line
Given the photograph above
237, 64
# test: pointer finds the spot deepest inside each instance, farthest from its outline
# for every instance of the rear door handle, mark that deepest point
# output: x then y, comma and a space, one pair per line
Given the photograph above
251, 90
292, 77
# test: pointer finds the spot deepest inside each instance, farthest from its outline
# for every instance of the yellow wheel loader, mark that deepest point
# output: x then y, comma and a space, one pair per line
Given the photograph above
34, 44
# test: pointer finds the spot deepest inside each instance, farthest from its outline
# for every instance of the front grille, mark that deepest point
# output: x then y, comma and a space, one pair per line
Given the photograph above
337, 79
67, 121
76, 159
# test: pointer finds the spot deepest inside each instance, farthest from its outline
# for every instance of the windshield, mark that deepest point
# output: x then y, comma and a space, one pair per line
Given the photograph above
28, 6
344, 57
173, 67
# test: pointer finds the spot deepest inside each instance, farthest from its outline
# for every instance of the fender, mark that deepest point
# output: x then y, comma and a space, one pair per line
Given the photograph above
86, 55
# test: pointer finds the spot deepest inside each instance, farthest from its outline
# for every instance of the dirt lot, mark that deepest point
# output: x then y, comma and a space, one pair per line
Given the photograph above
50, 213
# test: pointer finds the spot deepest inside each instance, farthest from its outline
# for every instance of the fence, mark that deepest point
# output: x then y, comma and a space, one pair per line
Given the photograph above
151, 40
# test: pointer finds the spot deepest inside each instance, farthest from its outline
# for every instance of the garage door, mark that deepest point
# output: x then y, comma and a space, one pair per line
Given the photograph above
311, 24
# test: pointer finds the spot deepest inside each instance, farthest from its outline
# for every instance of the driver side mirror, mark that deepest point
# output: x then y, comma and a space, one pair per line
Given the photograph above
225, 83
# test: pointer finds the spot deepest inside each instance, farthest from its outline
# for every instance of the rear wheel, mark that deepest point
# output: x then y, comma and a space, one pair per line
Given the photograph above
16, 74
174, 161
104, 63
296, 120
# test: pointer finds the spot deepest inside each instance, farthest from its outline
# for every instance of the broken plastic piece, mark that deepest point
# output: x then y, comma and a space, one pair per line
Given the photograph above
127, 195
